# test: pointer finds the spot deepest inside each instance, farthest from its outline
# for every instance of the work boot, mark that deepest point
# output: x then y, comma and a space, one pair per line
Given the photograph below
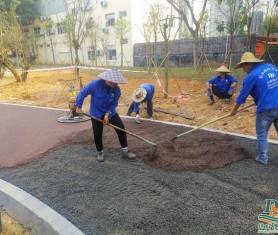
211, 102
129, 155
100, 156
128, 114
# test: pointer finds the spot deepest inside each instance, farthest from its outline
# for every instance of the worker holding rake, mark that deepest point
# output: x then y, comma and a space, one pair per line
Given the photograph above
105, 94
261, 82
223, 86
143, 94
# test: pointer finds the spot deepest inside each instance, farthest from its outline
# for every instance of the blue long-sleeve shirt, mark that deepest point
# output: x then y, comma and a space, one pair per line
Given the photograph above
223, 85
104, 99
262, 84
150, 92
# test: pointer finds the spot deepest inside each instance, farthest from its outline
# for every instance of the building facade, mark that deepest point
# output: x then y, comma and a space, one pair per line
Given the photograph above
53, 40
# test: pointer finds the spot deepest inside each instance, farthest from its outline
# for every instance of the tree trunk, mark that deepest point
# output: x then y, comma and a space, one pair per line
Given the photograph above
77, 69
195, 52
10, 66
230, 52
248, 36
122, 53
166, 64
52, 50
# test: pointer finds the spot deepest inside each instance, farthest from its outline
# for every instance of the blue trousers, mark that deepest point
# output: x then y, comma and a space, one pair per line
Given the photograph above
264, 121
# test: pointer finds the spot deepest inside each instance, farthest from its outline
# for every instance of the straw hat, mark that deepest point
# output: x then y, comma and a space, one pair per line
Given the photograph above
139, 94
223, 69
247, 57
113, 75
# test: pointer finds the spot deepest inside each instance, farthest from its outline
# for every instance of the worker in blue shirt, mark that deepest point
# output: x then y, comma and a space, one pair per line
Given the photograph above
105, 94
143, 94
223, 85
261, 82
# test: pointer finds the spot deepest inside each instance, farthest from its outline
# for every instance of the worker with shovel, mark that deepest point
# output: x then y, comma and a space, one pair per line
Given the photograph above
222, 86
261, 82
105, 94
143, 94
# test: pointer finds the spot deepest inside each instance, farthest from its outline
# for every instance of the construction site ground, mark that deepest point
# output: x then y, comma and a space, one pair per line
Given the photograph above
210, 185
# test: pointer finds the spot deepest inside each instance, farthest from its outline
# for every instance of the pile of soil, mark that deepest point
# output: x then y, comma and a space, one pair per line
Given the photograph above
196, 151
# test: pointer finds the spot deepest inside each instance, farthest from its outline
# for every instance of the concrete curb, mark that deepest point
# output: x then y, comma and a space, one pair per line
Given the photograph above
34, 214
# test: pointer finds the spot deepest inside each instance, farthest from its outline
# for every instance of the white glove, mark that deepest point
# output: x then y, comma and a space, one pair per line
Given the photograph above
137, 119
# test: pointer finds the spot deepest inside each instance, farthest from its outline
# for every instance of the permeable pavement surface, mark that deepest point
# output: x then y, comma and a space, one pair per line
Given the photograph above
129, 197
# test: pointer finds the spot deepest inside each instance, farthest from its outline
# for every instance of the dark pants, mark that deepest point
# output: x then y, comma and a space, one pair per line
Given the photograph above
219, 94
98, 131
149, 108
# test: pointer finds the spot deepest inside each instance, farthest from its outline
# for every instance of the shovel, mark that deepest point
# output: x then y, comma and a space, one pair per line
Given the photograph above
203, 125
123, 130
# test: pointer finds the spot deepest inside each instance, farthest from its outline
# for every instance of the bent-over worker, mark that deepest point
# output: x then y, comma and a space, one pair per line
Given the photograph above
143, 94
105, 94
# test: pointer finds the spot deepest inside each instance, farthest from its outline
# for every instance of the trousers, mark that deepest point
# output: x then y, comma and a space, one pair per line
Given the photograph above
98, 131
264, 121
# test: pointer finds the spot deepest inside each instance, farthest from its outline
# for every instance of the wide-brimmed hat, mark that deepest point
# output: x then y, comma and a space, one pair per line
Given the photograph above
113, 75
223, 69
247, 57
139, 94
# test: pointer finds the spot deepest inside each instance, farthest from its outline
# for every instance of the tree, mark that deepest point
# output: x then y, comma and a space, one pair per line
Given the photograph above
47, 28
246, 19
93, 34
24, 9
231, 11
74, 23
270, 23
153, 25
162, 25
13, 41
186, 12
121, 27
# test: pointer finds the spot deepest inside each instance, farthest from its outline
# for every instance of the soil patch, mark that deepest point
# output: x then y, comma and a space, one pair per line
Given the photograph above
196, 152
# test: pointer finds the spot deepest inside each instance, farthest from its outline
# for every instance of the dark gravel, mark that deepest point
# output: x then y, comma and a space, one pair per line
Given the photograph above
211, 185
130, 197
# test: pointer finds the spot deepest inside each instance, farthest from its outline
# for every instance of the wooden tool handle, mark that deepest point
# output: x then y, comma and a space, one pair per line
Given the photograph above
215, 120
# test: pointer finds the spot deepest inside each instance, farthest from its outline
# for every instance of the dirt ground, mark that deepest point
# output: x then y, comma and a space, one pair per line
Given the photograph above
45, 89
12, 227
48, 89
201, 150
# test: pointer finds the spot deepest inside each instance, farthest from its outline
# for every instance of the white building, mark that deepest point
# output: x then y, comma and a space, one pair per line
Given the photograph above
54, 47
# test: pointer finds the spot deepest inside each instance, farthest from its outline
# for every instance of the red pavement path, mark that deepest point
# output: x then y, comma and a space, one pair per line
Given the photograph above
26, 132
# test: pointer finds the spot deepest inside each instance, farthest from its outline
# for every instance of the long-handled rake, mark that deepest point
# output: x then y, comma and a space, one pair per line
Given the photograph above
203, 125
123, 130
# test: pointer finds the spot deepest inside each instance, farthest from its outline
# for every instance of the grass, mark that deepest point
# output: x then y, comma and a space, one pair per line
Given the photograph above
174, 72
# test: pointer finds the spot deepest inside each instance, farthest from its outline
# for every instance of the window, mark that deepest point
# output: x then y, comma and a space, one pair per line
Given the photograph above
50, 32
60, 29
110, 19
26, 32
91, 55
122, 13
111, 52
86, 5
74, 11
37, 30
